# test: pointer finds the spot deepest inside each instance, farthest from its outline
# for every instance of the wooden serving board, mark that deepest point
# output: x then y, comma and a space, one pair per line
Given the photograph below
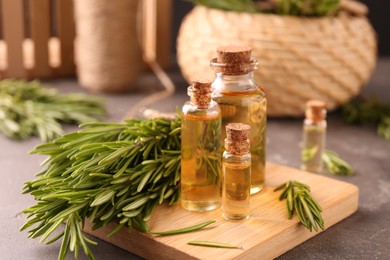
265, 235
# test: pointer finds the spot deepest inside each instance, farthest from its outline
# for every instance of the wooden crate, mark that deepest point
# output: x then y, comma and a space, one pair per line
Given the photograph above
37, 38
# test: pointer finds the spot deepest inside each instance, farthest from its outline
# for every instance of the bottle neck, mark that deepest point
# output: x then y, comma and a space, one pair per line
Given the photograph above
320, 123
315, 116
235, 83
201, 100
237, 148
242, 77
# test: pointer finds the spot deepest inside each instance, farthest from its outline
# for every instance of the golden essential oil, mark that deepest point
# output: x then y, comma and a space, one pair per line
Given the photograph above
236, 170
242, 100
314, 137
200, 151
236, 190
249, 108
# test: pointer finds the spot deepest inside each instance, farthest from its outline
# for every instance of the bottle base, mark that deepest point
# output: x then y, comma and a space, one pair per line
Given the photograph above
234, 216
200, 206
257, 188
317, 169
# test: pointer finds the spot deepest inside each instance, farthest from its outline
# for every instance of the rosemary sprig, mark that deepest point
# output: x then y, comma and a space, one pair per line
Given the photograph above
369, 110
27, 108
300, 201
335, 165
282, 7
183, 230
333, 162
103, 173
384, 127
309, 153
229, 5
214, 244
308, 7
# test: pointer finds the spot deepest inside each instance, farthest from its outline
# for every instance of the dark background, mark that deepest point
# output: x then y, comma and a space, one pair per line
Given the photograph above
379, 16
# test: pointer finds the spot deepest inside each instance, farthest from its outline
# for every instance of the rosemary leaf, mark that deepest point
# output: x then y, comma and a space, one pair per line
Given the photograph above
229, 5
183, 230
307, 7
335, 165
300, 201
282, 7
369, 110
333, 162
214, 244
384, 127
98, 174
27, 109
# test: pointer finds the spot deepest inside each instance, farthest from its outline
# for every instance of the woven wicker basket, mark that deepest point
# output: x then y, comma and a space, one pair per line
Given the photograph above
329, 59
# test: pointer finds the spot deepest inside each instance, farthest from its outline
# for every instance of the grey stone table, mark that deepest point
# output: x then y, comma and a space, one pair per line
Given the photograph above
364, 235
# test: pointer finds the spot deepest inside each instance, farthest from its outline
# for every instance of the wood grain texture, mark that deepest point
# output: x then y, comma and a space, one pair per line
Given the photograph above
40, 34
66, 35
164, 25
265, 235
13, 33
156, 31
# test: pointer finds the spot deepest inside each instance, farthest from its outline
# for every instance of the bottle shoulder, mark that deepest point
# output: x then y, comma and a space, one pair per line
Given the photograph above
308, 123
232, 158
238, 90
210, 112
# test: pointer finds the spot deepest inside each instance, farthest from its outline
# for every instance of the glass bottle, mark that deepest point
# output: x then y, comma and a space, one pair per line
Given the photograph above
236, 171
200, 150
314, 135
242, 100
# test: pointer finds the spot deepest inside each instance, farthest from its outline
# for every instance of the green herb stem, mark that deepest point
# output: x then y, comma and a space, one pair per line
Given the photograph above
369, 110
335, 165
282, 7
183, 230
300, 201
98, 174
214, 244
27, 109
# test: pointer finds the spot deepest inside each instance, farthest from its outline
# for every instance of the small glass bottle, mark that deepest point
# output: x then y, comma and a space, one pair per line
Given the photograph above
236, 170
200, 150
242, 100
314, 135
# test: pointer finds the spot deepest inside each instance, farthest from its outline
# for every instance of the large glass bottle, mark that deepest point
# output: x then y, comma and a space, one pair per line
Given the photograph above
243, 101
314, 136
201, 150
236, 171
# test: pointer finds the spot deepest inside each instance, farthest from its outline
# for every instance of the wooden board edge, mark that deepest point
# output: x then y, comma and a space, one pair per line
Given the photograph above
337, 209
297, 236
137, 243
140, 244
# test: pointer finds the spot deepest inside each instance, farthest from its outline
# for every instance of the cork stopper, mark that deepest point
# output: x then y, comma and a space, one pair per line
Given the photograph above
234, 60
315, 110
237, 141
234, 54
201, 92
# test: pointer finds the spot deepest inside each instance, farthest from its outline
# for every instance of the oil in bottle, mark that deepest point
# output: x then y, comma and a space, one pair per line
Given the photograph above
236, 170
314, 136
242, 100
200, 150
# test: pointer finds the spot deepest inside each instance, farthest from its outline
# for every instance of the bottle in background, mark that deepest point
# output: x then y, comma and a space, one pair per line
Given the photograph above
314, 136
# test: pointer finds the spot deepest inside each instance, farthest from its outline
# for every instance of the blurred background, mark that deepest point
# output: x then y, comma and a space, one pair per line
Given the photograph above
108, 46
